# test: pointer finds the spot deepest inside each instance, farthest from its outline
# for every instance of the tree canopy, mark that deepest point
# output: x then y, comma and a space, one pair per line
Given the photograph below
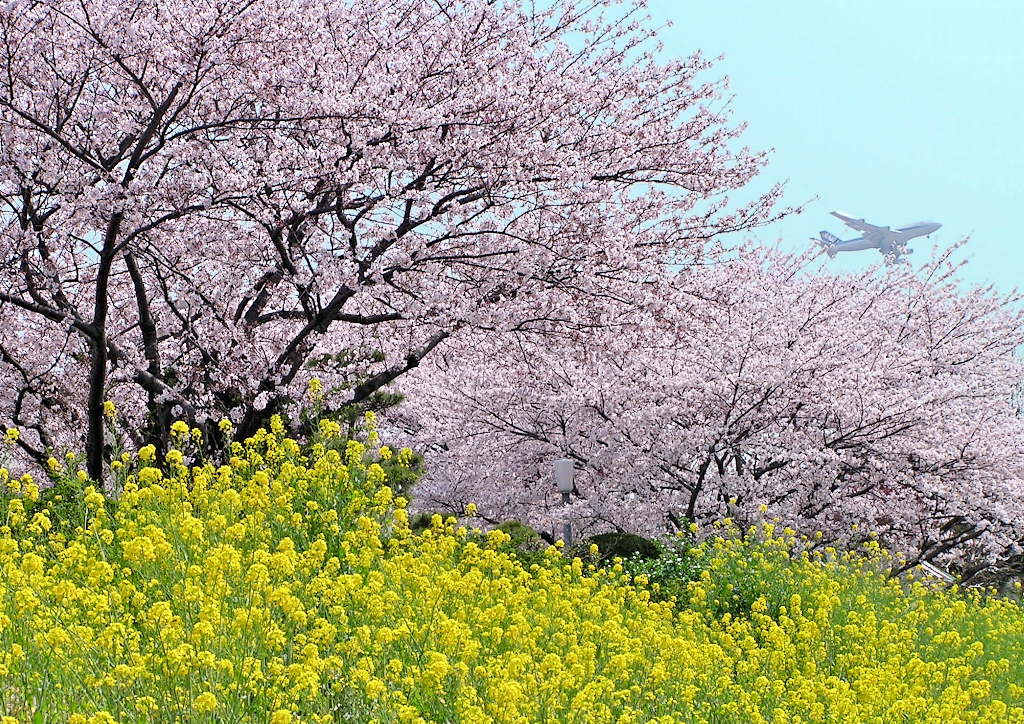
203, 203
855, 406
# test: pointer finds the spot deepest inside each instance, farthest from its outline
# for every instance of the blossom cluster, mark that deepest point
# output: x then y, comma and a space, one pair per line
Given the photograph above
289, 189
844, 403
286, 586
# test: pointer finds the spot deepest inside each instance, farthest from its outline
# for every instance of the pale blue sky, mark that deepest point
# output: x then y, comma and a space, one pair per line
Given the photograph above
892, 110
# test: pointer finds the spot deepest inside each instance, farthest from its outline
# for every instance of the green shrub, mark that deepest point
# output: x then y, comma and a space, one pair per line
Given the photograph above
520, 533
620, 545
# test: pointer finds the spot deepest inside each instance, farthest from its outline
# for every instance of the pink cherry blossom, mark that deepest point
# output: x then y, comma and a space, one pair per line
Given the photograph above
203, 203
756, 387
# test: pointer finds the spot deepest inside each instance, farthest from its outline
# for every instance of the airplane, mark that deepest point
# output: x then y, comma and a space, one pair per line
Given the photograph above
891, 243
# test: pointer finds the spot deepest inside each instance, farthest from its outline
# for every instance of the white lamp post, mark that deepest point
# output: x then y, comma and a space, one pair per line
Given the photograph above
563, 479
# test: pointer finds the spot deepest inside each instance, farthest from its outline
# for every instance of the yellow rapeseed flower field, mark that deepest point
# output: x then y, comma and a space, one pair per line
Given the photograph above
284, 587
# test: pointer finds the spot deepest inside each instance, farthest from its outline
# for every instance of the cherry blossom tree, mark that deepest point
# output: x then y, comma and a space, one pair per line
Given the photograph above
203, 203
854, 405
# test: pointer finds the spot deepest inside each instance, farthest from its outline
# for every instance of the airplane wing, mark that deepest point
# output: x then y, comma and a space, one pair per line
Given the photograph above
860, 225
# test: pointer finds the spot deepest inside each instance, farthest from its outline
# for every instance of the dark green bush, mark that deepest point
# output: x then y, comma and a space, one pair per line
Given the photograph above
619, 545
421, 521
520, 533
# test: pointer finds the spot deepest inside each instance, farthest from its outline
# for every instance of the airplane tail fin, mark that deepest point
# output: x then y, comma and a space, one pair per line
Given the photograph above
829, 241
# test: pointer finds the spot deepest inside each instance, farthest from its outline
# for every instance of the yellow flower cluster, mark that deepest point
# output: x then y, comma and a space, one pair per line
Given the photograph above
829, 636
282, 588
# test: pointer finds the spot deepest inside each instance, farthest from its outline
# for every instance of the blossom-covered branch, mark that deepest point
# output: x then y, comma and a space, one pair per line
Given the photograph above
227, 193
